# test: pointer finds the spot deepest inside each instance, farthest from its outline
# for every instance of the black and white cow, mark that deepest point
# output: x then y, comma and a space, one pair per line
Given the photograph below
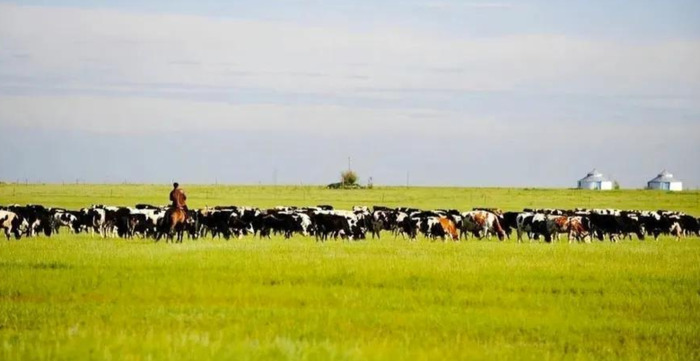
217, 221
13, 224
63, 218
277, 223
379, 221
430, 226
402, 223
616, 225
509, 222
532, 224
37, 218
329, 224
144, 220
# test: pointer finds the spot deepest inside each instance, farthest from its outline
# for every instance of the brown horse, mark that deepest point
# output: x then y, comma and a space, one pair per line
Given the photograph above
173, 223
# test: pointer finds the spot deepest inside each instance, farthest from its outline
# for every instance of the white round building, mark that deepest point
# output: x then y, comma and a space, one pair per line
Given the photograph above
666, 182
595, 180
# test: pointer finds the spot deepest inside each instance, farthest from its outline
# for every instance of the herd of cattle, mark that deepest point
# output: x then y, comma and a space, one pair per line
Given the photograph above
324, 222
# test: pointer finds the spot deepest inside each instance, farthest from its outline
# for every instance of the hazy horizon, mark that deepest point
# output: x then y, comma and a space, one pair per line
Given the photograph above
453, 93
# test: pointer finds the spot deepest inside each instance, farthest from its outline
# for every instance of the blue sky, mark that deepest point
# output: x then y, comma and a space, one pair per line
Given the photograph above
472, 93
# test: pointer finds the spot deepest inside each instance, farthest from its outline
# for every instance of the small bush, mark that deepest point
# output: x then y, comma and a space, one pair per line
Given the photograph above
348, 177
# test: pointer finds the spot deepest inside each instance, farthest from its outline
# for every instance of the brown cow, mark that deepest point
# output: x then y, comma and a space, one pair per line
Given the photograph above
578, 229
450, 228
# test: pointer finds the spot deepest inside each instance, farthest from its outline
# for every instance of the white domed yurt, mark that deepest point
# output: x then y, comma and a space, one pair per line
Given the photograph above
595, 180
665, 181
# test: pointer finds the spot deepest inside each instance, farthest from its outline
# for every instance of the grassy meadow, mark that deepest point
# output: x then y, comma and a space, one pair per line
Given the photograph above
77, 297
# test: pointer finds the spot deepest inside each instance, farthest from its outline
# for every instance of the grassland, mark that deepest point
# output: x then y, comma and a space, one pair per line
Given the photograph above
75, 297
76, 196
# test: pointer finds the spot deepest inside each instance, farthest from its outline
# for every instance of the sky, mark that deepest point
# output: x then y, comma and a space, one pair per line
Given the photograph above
429, 92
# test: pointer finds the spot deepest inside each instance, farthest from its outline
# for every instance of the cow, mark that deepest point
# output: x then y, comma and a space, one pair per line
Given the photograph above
331, 225
616, 225
145, 219
534, 224
94, 219
275, 223
37, 217
509, 222
63, 218
238, 226
580, 229
218, 222
303, 223
556, 224
430, 226
286, 223
138, 225
449, 228
379, 221
481, 224
577, 227
405, 225
13, 224
677, 231
690, 224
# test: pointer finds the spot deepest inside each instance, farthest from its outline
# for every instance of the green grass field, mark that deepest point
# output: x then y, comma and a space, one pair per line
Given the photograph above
77, 297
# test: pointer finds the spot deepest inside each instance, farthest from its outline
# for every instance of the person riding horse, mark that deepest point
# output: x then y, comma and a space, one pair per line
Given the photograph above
178, 197
176, 216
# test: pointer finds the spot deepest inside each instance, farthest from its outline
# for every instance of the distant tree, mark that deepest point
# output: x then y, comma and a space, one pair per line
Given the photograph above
348, 177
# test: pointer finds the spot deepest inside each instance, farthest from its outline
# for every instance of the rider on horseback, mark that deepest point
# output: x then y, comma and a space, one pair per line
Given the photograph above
178, 197
175, 217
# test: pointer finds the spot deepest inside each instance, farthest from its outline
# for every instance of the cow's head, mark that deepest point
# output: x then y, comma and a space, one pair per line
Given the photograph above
20, 226
501, 234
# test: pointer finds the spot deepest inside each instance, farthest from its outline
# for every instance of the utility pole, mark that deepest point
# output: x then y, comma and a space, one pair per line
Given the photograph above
349, 164
408, 178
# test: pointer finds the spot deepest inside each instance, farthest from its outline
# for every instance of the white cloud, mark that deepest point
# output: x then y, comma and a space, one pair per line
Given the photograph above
92, 51
107, 47
133, 115
128, 115
452, 5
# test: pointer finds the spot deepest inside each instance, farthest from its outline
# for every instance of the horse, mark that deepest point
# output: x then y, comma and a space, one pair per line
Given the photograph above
174, 224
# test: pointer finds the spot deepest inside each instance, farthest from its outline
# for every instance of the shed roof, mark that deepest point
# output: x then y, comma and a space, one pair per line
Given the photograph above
594, 176
664, 177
